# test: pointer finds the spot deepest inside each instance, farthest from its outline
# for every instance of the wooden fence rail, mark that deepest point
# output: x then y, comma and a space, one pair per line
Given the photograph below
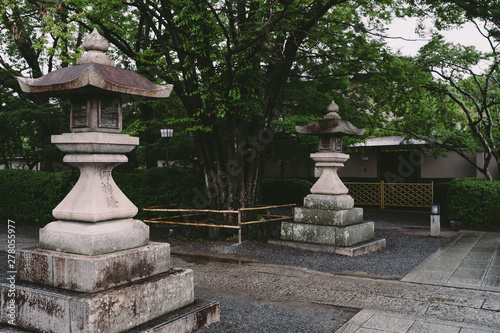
242, 214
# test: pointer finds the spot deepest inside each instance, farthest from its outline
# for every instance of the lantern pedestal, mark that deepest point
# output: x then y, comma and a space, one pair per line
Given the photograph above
328, 218
329, 182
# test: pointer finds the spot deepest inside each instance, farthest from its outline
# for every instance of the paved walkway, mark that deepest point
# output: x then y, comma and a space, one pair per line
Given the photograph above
374, 321
466, 266
470, 260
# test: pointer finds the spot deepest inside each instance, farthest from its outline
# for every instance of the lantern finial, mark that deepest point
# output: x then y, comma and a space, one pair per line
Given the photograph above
332, 109
95, 45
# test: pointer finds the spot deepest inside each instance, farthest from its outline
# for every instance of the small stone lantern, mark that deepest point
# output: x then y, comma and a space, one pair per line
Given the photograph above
330, 158
328, 221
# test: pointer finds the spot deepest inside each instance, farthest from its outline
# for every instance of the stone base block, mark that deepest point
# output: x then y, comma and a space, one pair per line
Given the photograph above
188, 319
351, 251
321, 201
185, 320
326, 234
46, 309
328, 216
92, 273
94, 238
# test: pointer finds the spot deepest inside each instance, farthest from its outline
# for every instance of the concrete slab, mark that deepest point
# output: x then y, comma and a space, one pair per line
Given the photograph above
335, 202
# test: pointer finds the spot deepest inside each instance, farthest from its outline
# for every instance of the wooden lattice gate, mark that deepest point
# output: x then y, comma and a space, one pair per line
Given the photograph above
392, 194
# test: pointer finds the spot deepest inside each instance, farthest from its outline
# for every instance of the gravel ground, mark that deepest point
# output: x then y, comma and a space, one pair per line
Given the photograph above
406, 246
240, 313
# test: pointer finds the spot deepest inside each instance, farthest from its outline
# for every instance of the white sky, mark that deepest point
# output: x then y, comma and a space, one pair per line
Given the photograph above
468, 35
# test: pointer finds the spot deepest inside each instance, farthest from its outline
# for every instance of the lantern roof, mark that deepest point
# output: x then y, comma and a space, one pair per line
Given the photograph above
95, 73
330, 124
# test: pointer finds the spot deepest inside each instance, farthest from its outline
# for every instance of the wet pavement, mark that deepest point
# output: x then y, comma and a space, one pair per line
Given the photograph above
388, 305
471, 260
456, 289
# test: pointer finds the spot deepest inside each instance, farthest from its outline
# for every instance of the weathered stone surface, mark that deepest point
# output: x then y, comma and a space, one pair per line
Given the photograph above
351, 251
435, 225
95, 142
95, 197
94, 238
325, 234
92, 273
323, 201
113, 310
329, 182
188, 319
329, 216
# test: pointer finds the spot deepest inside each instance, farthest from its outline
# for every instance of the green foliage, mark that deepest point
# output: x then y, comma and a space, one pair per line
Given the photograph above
28, 196
277, 191
474, 202
148, 187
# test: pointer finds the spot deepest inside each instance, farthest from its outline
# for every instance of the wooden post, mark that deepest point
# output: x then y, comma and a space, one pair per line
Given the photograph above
432, 192
239, 226
382, 194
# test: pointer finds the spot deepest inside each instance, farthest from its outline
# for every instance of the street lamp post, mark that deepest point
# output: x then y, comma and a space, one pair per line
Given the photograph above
167, 133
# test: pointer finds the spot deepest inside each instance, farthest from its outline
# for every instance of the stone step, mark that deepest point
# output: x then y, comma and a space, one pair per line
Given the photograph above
327, 234
92, 273
329, 216
53, 310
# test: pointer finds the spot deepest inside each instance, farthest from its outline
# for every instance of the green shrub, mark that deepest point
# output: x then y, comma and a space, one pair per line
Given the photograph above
474, 202
148, 187
29, 197
441, 198
279, 191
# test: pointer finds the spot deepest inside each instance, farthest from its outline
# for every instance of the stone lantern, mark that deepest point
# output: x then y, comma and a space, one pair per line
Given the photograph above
95, 269
328, 220
329, 157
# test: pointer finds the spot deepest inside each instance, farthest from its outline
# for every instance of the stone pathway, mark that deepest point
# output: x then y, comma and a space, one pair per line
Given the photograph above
470, 260
373, 321
468, 301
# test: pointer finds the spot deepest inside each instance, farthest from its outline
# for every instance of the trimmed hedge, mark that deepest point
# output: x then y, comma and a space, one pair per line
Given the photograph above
280, 191
474, 202
29, 197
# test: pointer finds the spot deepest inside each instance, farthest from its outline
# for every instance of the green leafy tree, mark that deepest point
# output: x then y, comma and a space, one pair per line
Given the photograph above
27, 121
475, 93
230, 63
447, 94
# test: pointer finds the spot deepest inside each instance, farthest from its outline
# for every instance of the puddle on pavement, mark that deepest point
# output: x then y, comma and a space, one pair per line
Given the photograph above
204, 259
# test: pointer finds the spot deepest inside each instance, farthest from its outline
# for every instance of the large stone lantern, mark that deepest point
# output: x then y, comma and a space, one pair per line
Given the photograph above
95, 269
328, 221
97, 90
